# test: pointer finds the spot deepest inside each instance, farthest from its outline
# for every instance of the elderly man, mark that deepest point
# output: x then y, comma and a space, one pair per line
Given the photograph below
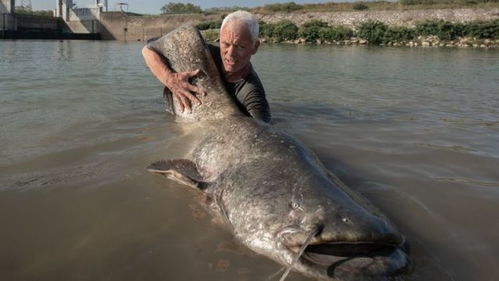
238, 42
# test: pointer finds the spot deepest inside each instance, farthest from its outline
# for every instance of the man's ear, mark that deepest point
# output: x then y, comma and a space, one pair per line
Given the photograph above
257, 44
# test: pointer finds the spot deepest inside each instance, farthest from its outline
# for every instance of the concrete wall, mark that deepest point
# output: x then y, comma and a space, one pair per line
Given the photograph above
37, 23
405, 18
120, 26
7, 23
82, 27
7, 6
31, 27
7, 19
82, 21
84, 14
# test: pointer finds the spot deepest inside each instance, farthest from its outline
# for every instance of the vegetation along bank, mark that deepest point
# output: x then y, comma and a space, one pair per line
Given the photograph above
436, 33
426, 23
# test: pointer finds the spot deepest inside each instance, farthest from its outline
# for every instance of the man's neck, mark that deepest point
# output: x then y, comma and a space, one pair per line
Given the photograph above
232, 77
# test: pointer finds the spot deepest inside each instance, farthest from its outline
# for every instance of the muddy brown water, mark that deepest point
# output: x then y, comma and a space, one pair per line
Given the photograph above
414, 130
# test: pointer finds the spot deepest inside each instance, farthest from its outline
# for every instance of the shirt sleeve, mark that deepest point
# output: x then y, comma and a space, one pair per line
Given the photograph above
257, 106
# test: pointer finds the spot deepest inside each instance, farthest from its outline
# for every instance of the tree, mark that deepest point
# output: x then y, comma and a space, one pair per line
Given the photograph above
180, 8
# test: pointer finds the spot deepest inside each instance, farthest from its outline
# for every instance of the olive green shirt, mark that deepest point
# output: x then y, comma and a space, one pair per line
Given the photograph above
248, 91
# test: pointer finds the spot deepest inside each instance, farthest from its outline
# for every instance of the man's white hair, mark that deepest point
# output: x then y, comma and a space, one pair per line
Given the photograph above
246, 18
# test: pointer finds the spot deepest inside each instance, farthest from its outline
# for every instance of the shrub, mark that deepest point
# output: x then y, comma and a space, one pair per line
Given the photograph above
398, 33
283, 7
180, 8
310, 34
209, 25
284, 30
377, 32
210, 35
359, 7
431, 2
443, 29
312, 30
335, 33
266, 29
416, 2
314, 23
372, 31
482, 29
25, 11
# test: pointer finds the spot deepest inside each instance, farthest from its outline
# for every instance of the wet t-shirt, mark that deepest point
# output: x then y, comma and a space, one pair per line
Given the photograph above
249, 91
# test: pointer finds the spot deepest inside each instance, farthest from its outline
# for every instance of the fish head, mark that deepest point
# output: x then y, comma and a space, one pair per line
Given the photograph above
333, 233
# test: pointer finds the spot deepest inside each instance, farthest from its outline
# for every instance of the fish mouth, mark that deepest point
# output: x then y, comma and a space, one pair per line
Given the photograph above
359, 260
328, 253
350, 249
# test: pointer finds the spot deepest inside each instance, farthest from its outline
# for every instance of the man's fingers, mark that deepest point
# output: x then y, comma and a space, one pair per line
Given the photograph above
191, 97
184, 103
186, 85
180, 101
193, 73
197, 90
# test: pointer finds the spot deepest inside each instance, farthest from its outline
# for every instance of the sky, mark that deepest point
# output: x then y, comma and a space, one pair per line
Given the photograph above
154, 6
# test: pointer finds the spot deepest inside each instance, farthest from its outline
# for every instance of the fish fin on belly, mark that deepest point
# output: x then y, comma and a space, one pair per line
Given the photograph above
168, 99
180, 170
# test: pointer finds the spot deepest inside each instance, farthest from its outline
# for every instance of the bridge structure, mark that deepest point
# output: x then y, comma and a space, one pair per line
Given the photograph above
95, 22
68, 22
7, 17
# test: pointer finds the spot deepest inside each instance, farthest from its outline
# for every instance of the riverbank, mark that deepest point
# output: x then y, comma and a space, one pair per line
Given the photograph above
421, 41
119, 26
430, 33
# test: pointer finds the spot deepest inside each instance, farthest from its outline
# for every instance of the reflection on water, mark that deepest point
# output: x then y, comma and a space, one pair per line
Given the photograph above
415, 130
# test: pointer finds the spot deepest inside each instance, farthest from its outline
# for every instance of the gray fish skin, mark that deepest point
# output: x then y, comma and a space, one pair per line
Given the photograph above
272, 191
184, 51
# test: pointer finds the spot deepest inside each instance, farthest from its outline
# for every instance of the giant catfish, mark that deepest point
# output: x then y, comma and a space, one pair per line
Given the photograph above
274, 194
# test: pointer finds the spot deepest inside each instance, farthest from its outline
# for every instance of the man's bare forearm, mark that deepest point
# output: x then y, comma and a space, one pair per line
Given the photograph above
157, 66
178, 83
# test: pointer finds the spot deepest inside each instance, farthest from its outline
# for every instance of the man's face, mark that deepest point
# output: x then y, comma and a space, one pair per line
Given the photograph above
236, 46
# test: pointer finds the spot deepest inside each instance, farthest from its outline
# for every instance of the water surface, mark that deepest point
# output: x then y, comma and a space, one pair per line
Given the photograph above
414, 130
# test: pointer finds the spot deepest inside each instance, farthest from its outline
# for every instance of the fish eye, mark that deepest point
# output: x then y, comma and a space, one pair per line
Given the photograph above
294, 205
345, 220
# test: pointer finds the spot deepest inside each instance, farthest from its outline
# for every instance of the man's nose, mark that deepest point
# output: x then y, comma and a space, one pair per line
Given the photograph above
231, 51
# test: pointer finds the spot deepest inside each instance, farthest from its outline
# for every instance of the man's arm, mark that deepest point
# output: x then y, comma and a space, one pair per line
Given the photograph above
257, 106
178, 83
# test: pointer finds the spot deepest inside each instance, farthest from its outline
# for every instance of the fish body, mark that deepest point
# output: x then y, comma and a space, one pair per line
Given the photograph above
274, 193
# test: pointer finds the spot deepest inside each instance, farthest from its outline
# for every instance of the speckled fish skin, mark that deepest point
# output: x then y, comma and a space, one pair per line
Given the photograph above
185, 51
273, 192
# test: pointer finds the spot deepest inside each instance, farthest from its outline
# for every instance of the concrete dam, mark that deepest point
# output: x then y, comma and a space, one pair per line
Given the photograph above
89, 23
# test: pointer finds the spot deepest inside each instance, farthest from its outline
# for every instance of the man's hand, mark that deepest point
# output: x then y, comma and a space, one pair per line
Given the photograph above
177, 83
185, 92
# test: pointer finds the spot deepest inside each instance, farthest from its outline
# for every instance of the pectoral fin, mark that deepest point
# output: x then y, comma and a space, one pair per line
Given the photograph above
180, 170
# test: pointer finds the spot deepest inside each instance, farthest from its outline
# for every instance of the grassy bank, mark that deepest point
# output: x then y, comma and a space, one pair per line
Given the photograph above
427, 33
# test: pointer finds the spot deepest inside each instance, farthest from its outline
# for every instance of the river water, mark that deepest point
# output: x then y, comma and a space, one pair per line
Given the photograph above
414, 130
